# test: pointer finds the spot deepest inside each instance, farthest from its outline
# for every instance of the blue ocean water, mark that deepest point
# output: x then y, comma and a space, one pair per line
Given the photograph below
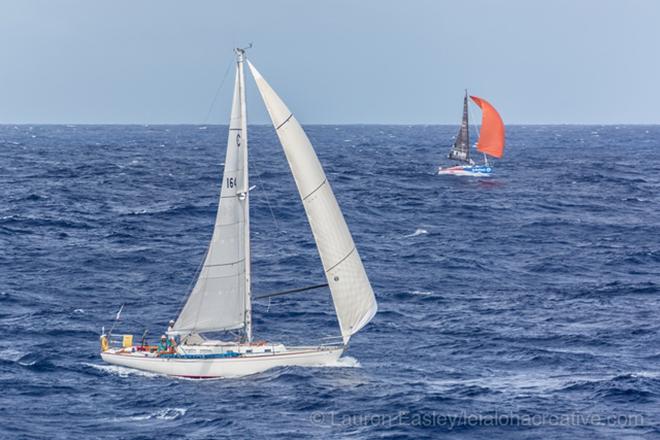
521, 306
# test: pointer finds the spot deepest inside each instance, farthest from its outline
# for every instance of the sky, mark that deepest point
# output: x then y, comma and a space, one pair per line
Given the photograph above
332, 62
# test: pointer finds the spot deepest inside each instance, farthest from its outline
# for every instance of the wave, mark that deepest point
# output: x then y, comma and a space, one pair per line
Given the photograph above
541, 383
161, 414
29, 360
123, 372
31, 221
421, 293
343, 362
417, 232
11, 355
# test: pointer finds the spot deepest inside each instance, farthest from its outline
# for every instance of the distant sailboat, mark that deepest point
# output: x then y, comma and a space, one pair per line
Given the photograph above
490, 143
221, 299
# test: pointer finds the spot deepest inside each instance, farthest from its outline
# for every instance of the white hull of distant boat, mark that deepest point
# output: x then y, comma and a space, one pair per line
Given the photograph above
467, 170
260, 359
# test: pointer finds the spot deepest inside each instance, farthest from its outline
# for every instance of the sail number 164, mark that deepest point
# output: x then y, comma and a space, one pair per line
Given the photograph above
232, 182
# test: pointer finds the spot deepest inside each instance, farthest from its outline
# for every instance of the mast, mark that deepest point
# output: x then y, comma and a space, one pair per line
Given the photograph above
244, 194
465, 124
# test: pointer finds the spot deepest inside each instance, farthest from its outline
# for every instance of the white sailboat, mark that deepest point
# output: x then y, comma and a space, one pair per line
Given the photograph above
221, 298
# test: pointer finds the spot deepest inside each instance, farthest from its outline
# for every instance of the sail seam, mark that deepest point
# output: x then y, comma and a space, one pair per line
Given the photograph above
220, 225
285, 121
342, 260
235, 129
209, 329
315, 189
225, 264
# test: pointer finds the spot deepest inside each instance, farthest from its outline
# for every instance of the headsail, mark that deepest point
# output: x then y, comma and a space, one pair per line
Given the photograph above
491, 136
220, 297
352, 295
461, 149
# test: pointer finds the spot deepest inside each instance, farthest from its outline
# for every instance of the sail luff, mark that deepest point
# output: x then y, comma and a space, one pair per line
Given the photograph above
353, 297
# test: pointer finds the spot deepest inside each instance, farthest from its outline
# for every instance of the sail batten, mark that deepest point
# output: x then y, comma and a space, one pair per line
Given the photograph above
353, 297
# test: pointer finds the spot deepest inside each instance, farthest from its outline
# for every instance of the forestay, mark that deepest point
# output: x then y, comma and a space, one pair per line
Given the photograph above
352, 295
219, 299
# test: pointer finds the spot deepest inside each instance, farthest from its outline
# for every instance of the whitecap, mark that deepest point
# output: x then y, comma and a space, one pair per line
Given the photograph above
120, 371
421, 292
417, 232
162, 414
343, 362
79, 311
11, 355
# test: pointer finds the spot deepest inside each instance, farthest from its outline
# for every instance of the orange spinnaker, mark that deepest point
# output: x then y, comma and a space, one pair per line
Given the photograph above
491, 136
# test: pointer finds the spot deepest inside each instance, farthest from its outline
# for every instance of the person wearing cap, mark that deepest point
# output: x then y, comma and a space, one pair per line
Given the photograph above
170, 327
163, 345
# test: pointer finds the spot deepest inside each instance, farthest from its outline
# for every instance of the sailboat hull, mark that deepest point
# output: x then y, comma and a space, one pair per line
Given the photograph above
467, 170
225, 367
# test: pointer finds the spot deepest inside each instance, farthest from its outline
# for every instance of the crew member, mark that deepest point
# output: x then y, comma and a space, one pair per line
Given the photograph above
163, 345
171, 335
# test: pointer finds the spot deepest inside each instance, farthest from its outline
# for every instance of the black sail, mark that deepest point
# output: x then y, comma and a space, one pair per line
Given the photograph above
461, 149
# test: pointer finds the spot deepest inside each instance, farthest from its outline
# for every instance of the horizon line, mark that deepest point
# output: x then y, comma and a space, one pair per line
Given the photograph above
196, 124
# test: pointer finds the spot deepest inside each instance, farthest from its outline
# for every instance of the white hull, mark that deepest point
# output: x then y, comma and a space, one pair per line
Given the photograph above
243, 365
467, 170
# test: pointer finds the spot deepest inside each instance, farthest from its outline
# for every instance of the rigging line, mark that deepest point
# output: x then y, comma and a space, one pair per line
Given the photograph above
217, 93
265, 192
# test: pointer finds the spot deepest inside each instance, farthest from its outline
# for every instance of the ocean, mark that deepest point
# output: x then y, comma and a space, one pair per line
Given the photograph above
525, 305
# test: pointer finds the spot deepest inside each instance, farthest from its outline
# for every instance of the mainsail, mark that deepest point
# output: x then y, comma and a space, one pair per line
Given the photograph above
220, 298
491, 136
352, 295
461, 149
